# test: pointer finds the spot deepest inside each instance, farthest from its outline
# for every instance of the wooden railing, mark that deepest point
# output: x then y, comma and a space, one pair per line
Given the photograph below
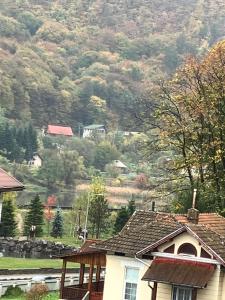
77, 292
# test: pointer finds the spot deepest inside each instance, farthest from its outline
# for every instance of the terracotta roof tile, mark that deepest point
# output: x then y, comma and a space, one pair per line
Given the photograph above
60, 130
146, 228
213, 221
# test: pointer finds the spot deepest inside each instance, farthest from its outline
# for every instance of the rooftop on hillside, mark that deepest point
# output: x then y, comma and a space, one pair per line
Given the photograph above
60, 130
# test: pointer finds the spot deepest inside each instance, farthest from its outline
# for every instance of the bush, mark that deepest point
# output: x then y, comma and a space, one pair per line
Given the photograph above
37, 292
13, 292
141, 181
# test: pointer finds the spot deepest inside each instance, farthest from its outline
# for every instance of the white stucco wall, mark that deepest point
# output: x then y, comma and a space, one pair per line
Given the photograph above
115, 278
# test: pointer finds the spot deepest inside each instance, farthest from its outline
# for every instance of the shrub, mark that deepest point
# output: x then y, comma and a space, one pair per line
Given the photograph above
37, 292
141, 181
13, 292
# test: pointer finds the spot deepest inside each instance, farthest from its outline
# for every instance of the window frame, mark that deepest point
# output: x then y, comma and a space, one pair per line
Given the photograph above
126, 281
178, 288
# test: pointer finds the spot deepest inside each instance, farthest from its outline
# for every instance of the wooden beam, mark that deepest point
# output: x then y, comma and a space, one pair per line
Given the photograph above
91, 269
98, 273
154, 291
63, 278
81, 277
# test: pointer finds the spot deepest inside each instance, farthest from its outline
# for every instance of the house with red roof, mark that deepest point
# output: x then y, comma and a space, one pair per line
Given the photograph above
8, 184
57, 130
156, 256
162, 256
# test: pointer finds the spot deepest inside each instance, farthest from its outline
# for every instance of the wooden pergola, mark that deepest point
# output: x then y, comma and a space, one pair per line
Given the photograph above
95, 260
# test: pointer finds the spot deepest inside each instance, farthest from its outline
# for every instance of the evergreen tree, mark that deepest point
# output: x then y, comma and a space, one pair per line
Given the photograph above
35, 216
121, 219
57, 226
8, 223
123, 216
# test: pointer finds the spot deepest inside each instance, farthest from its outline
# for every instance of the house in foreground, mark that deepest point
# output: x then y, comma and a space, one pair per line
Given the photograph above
158, 256
162, 256
56, 130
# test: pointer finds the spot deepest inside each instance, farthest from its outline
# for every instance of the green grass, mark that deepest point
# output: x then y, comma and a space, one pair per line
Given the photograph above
50, 296
28, 263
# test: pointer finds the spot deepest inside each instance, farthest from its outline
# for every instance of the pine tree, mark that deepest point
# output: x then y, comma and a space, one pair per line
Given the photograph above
121, 219
57, 226
35, 216
8, 223
123, 216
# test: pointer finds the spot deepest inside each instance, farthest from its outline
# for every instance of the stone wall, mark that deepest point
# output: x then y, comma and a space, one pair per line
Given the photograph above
32, 248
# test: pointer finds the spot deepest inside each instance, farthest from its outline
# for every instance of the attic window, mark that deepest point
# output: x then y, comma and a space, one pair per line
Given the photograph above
205, 254
187, 248
169, 249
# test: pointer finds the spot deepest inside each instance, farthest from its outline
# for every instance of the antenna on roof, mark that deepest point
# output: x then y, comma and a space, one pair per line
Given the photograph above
194, 198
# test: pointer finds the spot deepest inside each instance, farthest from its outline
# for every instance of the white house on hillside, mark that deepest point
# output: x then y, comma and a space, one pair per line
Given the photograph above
36, 161
93, 129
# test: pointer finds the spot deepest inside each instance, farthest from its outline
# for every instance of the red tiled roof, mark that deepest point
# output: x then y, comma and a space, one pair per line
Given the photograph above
179, 272
213, 221
60, 130
146, 229
9, 183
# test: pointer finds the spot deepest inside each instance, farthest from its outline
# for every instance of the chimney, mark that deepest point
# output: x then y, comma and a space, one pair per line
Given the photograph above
193, 213
153, 205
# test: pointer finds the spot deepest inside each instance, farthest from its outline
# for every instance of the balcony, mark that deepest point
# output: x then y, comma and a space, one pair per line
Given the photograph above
95, 260
77, 292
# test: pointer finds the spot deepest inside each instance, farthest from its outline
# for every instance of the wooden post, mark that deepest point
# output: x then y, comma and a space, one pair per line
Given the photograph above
63, 278
91, 269
81, 277
154, 291
98, 273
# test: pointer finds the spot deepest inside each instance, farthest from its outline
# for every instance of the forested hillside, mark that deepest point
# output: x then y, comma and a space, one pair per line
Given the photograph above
84, 61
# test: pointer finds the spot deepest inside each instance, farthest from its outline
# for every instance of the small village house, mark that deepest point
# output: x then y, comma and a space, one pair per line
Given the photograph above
160, 256
36, 161
91, 130
56, 130
8, 184
120, 166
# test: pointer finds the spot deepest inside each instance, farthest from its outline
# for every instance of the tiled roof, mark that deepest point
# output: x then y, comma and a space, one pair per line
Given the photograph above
94, 126
146, 229
211, 239
142, 229
9, 183
212, 220
60, 130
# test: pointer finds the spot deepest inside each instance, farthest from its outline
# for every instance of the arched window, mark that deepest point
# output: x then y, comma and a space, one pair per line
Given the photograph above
187, 248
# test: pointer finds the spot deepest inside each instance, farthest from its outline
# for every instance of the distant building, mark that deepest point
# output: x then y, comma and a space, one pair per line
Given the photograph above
93, 129
56, 130
120, 166
36, 161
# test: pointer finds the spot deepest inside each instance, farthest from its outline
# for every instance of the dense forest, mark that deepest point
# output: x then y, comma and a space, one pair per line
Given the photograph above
82, 62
